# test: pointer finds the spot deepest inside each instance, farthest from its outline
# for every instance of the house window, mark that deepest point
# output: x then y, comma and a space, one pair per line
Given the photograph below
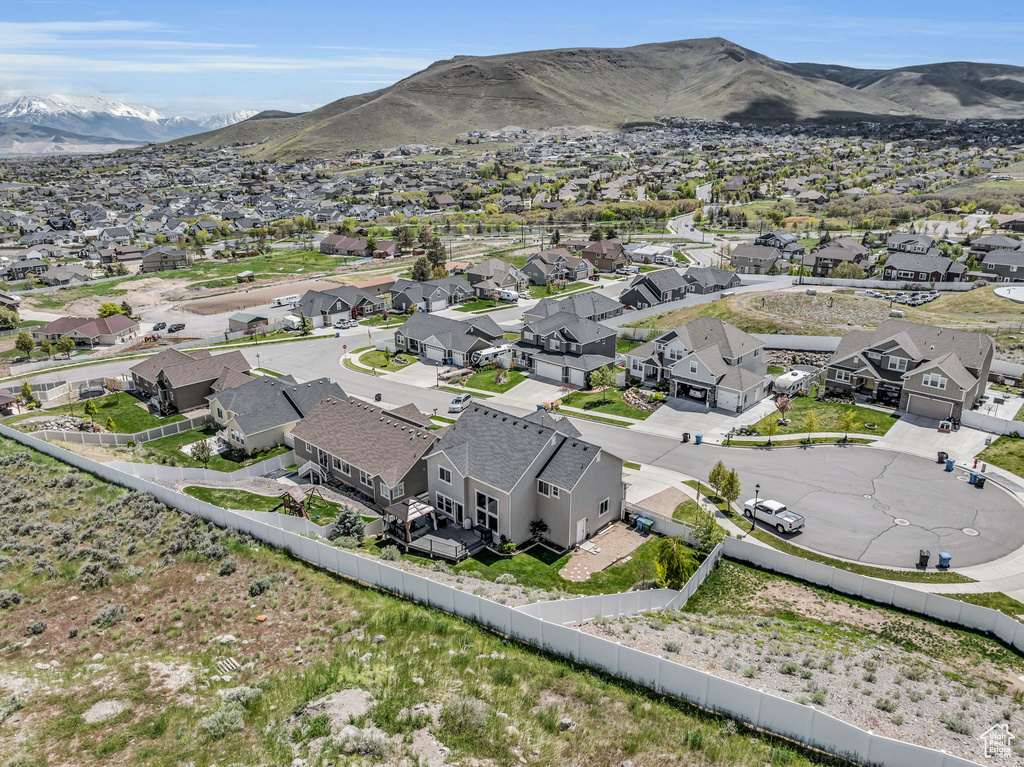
527, 335
555, 344
220, 414
487, 511
897, 363
547, 489
934, 380
693, 367
757, 352
675, 354
365, 478
843, 376
444, 474
603, 509
336, 462
345, 468
452, 508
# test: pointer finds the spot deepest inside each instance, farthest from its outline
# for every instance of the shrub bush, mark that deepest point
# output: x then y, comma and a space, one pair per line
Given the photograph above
390, 554
369, 743
225, 719
227, 567
506, 579
464, 714
108, 616
35, 628
9, 598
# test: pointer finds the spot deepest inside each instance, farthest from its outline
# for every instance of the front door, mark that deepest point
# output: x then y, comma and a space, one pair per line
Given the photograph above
581, 530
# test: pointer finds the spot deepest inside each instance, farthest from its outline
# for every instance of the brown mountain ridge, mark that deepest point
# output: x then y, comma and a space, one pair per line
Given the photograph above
708, 78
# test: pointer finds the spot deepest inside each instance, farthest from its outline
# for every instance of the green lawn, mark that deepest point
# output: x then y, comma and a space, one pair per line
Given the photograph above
1006, 453
541, 291
828, 418
512, 337
631, 465
485, 379
775, 370
785, 546
538, 568
608, 401
623, 345
480, 304
686, 511
242, 499
15, 354
168, 446
463, 391
376, 359
123, 408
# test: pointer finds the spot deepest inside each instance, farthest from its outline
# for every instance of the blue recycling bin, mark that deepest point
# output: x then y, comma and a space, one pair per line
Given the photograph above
944, 560
949, 464
698, 438
973, 478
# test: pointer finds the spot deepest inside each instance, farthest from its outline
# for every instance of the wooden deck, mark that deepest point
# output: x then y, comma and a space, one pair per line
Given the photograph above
451, 542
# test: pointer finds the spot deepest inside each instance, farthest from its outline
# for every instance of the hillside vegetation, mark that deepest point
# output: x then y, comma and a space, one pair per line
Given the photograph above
115, 611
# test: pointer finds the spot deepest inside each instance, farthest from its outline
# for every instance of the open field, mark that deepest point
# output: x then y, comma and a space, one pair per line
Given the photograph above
129, 672
901, 676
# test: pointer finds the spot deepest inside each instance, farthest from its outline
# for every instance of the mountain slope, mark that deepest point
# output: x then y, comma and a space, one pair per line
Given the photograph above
601, 86
98, 116
952, 90
18, 139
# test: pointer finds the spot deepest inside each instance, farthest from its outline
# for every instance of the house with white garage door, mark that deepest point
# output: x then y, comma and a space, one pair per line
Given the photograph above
707, 360
923, 370
440, 338
564, 347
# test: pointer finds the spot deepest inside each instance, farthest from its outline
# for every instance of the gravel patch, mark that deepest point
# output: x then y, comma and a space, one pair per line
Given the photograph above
105, 709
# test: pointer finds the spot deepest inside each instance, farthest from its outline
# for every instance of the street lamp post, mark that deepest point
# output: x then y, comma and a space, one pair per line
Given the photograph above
753, 513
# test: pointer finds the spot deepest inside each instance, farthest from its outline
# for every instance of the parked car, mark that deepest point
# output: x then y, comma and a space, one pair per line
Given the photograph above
697, 393
159, 326
594, 277
460, 403
176, 327
525, 294
344, 323
773, 513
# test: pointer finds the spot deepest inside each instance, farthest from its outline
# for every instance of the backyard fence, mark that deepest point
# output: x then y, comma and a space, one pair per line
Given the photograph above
960, 287
990, 423
798, 343
105, 438
761, 710
160, 473
44, 391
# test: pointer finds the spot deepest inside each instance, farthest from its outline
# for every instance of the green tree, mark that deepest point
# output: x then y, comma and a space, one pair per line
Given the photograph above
126, 309
202, 452
24, 343
111, 426
371, 244
675, 561
706, 531
66, 345
305, 325
717, 476
604, 379
770, 429
8, 319
349, 524
556, 237
731, 487
90, 409
109, 309
421, 269
45, 347
812, 423
847, 422
26, 394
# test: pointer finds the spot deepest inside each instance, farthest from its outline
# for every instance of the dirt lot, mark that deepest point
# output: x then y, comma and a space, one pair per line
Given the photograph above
899, 676
245, 298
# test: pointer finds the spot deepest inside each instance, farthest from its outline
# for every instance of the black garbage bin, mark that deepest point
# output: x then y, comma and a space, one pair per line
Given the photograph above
686, 436
922, 558
979, 482
942, 457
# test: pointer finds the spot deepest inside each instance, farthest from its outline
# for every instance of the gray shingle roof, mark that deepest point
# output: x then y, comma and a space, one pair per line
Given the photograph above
267, 403
711, 331
458, 335
924, 341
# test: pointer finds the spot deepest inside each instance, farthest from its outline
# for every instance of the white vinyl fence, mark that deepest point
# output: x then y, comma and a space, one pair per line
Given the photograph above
183, 473
762, 710
93, 438
990, 423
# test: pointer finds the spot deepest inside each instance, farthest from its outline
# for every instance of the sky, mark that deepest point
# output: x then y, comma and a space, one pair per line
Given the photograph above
189, 58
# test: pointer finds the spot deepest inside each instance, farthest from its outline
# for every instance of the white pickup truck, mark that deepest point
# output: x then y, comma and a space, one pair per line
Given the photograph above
775, 514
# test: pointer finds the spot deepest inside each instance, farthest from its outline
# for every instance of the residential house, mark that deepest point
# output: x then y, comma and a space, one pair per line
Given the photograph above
706, 359
821, 261
785, 242
923, 370
65, 275
104, 331
440, 338
983, 245
323, 307
1004, 266
652, 253
377, 452
557, 264
378, 287
261, 413
909, 243
180, 382
709, 279
653, 288
922, 268
605, 255
590, 305
429, 295
21, 270
492, 275
564, 347
755, 259
163, 258
502, 472
340, 245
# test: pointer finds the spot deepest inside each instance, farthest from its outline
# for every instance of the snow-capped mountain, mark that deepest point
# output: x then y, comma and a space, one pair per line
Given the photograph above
99, 116
224, 119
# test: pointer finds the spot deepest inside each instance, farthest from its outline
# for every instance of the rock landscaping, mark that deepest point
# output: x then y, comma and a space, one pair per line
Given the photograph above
66, 423
643, 399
